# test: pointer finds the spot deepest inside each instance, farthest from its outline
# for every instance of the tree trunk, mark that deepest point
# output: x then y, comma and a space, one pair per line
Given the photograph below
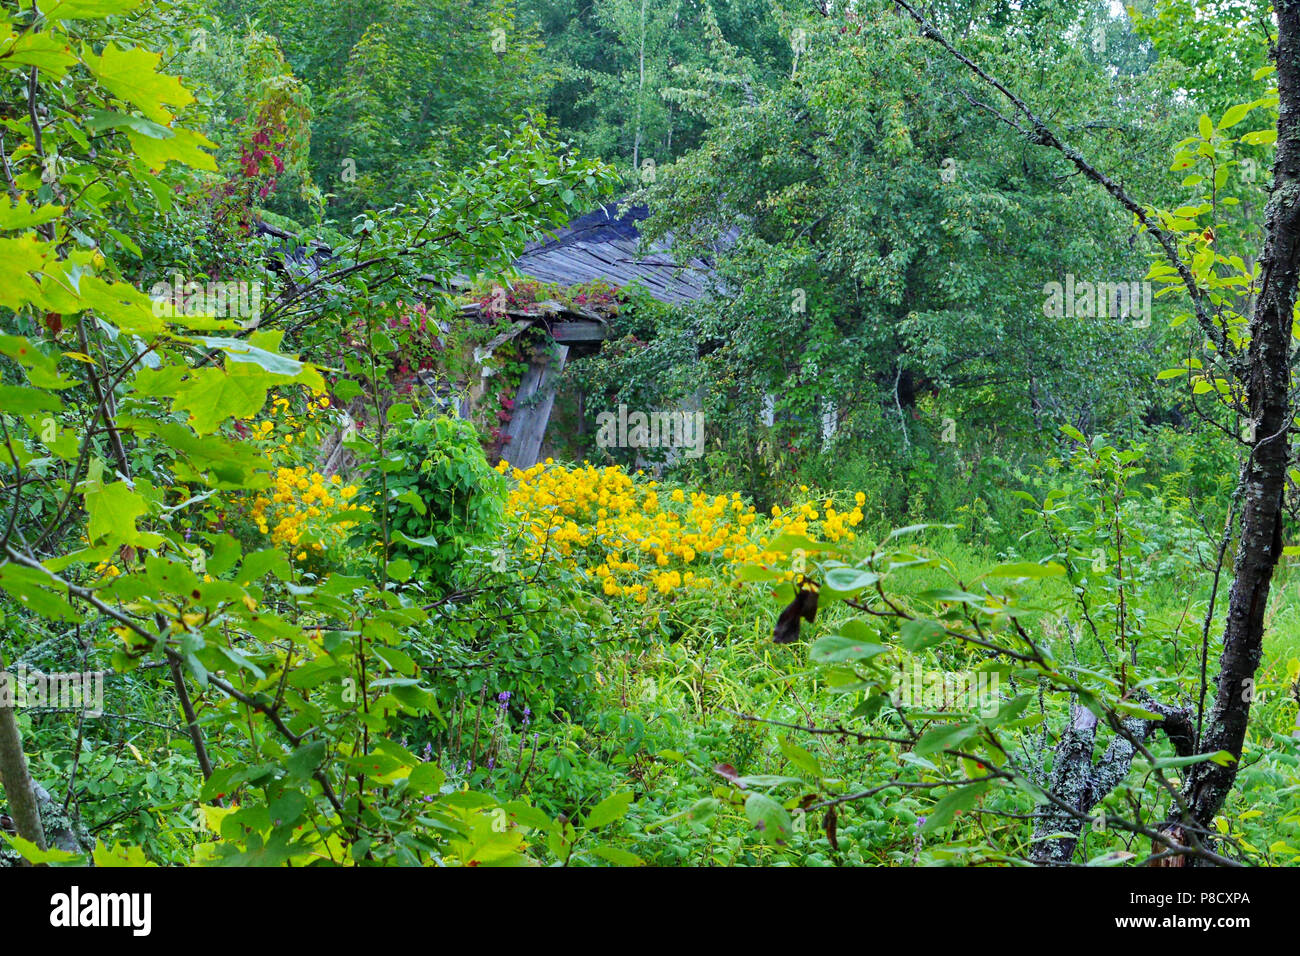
17, 783
1082, 784
1268, 393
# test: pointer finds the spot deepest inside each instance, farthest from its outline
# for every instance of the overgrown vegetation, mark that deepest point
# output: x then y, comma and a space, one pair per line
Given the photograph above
970, 568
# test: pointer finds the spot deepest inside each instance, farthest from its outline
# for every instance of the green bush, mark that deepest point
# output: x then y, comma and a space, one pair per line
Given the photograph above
440, 488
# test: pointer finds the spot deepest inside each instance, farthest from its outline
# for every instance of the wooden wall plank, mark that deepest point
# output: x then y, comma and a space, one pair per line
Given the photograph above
533, 405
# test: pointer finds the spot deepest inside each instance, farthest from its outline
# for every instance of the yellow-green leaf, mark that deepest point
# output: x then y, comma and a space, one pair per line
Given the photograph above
41, 50
20, 215
85, 9
1235, 115
213, 395
113, 510
184, 148
18, 258
132, 75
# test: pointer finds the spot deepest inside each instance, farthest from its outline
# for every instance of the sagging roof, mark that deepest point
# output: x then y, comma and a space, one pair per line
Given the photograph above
605, 245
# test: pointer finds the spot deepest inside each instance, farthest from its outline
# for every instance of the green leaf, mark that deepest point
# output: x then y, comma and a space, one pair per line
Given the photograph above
48, 53
20, 400
616, 856
97, 121
19, 214
124, 305
528, 816
113, 511
950, 596
788, 542
428, 541
920, 633
85, 9
259, 563
1222, 757
213, 395
942, 738
18, 259
31, 589
801, 758
1026, 569
608, 810
30, 852
345, 390
755, 572
119, 856
1260, 137
245, 350
848, 581
397, 659
226, 550
946, 809
767, 780
835, 649
1236, 114
131, 75
185, 147
769, 816
240, 661
302, 763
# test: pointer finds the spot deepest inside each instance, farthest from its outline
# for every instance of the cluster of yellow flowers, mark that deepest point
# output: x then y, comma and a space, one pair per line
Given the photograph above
296, 497
285, 427
293, 509
618, 529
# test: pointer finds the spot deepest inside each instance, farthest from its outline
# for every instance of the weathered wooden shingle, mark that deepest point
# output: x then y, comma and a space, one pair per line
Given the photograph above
605, 245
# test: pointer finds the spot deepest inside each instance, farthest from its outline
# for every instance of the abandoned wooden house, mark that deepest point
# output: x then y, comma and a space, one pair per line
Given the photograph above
604, 245
601, 245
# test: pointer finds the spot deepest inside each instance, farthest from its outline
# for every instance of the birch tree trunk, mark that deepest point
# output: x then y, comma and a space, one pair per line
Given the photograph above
1269, 396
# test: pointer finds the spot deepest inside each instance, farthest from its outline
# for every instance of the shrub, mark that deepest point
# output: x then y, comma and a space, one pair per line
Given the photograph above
439, 487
